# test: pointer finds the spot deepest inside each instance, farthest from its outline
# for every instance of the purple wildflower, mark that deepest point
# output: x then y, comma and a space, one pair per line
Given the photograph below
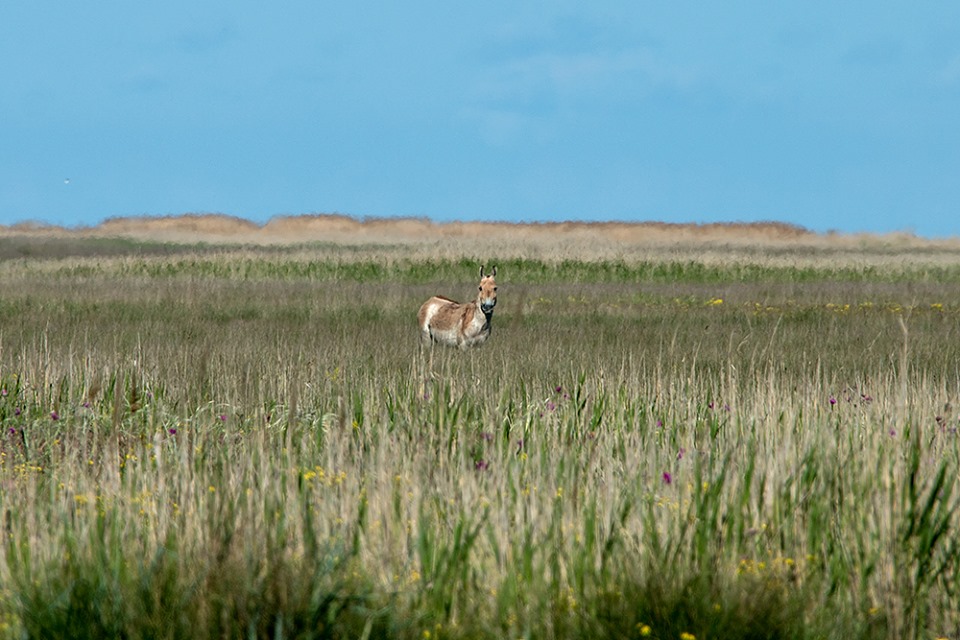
54, 415
550, 406
481, 465
16, 411
172, 431
893, 433
223, 417
833, 400
667, 478
659, 423
559, 389
709, 405
680, 453
13, 431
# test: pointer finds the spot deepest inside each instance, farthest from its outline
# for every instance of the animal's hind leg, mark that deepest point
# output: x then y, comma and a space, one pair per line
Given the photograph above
424, 372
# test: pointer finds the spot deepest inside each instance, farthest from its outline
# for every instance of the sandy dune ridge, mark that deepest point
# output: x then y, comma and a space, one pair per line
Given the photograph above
341, 229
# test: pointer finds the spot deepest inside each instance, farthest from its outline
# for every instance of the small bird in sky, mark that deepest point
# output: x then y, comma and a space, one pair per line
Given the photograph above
66, 181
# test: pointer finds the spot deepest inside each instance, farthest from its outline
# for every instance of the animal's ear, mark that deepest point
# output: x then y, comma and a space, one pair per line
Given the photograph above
494, 270
481, 272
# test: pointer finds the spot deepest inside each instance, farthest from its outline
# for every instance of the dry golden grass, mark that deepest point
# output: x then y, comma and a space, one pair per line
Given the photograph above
551, 240
230, 440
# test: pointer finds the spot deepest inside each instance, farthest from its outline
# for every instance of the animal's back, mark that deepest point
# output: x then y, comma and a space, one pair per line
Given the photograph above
430, 308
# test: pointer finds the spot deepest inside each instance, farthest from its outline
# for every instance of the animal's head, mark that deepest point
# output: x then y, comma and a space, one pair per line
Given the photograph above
488, 291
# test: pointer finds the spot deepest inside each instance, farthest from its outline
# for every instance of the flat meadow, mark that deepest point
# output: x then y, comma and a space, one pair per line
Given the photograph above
682, 441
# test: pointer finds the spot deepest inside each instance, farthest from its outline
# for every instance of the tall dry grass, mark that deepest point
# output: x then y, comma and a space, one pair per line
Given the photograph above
233, 441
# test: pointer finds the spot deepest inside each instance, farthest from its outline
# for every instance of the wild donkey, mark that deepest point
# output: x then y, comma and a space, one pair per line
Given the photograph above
453, 324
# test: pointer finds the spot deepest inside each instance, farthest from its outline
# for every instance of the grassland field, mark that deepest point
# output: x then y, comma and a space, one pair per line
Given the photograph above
674, 441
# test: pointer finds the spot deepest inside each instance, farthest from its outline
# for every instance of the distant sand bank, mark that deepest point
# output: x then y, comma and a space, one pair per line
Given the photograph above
341, 229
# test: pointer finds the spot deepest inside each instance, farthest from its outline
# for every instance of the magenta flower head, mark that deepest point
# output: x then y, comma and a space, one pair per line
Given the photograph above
54, 415
223, 417
833, 400
667, 478
172, 431
559, 389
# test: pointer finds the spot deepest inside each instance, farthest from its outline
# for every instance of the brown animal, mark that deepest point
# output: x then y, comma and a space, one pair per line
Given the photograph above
462, 325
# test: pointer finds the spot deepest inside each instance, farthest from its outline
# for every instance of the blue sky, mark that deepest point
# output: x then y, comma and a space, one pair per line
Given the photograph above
841, 116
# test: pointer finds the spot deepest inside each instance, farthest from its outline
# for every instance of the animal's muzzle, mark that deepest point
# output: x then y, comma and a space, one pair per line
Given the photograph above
487, 305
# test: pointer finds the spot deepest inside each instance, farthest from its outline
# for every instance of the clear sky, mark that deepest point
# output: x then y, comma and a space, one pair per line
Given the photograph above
831, 115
